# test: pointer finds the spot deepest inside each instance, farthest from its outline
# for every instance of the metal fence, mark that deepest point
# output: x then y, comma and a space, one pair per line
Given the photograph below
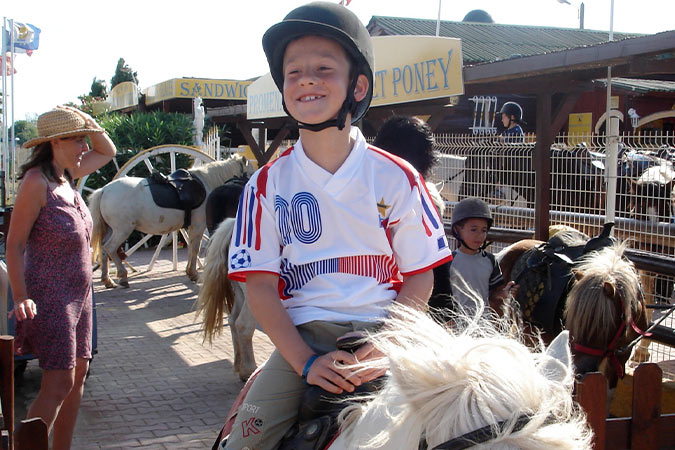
502, 174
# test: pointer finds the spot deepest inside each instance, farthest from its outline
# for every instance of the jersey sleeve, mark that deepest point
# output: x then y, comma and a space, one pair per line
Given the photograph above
255, 244
417, 234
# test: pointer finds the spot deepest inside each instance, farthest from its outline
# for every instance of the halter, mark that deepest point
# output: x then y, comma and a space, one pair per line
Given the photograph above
610, 351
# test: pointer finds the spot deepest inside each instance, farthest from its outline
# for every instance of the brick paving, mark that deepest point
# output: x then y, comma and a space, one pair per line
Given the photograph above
153, 384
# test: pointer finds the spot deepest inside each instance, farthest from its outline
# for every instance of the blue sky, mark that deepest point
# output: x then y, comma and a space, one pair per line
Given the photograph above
81, 39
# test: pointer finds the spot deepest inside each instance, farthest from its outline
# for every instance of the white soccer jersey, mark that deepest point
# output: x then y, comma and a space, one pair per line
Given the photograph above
339, 242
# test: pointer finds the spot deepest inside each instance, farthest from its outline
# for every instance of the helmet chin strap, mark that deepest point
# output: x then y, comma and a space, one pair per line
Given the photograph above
483, 246
341, 118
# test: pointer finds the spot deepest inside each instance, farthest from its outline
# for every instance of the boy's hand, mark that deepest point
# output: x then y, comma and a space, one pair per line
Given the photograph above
511, 289
326, 373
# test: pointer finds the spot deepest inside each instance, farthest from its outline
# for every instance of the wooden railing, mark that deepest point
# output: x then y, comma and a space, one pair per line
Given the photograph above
646, 429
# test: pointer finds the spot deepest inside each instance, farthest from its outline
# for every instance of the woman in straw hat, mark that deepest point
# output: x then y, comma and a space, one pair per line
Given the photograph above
49, 262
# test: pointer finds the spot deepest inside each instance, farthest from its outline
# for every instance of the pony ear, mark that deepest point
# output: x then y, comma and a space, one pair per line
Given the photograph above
558, 365
578, 275
609, 288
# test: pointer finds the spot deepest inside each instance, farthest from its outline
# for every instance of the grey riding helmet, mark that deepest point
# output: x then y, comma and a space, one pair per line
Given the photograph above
335, 22
471, 208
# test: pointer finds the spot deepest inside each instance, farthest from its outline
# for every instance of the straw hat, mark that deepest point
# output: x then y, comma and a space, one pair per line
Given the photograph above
60, 123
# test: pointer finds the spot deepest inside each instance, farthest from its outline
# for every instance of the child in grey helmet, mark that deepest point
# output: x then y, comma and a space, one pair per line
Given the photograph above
332, 232
473, 269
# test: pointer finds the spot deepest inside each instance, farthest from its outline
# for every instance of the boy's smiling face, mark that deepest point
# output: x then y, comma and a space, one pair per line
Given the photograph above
316, 78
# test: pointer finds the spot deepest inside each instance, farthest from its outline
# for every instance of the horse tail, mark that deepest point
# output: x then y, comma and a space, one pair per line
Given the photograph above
216, 296
100, 228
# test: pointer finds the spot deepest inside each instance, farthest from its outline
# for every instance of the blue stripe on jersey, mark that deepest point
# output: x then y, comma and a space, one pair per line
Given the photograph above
251, 202
428, 211
239, 214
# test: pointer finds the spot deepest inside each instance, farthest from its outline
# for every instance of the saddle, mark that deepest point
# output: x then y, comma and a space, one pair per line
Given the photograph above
545, 276
180, 190
317, 423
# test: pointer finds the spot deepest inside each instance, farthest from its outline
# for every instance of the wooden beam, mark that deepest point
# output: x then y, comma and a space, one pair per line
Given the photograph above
561, 114
542, 167
245, 128
275, 144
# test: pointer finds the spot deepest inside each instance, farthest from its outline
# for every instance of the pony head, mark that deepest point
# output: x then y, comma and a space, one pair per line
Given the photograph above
475, 384
602, 307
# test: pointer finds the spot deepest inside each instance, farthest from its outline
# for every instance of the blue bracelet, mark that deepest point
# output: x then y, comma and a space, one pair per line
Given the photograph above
308, 364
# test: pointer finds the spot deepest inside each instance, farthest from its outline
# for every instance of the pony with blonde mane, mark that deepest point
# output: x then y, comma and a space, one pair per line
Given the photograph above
604, 310
219, 296
126, 204
469, 386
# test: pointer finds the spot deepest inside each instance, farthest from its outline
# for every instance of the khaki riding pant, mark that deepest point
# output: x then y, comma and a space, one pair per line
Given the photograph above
271, 406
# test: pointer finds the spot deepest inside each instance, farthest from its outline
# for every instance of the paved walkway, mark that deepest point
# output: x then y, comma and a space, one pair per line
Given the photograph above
153, 384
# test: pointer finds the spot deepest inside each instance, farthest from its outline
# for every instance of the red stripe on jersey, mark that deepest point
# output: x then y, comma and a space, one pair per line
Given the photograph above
245, 222
426, 227
261, 189
400, 162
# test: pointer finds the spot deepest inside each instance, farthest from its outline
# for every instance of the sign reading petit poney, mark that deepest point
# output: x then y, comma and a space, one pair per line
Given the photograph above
413, 68
407, 69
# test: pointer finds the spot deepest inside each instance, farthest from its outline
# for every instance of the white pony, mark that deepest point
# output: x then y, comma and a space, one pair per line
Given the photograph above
219, 296
126, 204
476, 387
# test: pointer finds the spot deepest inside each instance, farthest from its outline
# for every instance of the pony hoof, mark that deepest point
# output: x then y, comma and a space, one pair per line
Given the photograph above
124, 284
109, 284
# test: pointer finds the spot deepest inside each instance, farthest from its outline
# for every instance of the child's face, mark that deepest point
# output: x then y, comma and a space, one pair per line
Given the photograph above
505, 120
474, 232
316, 78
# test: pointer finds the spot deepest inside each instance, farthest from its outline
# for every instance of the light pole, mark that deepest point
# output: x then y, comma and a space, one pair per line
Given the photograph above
580, 10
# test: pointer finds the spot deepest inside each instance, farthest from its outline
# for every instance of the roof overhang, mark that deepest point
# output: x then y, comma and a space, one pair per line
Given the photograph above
574, 69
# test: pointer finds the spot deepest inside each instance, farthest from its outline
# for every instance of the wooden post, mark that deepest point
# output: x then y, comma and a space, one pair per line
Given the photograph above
542, 167
646, 407
592, 397
7, 384
32, 435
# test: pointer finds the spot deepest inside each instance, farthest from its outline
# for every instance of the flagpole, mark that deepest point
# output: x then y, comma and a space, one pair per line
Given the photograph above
3, 148
438, 21
11, 144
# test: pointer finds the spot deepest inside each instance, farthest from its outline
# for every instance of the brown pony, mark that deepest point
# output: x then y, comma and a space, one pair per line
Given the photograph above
601, 303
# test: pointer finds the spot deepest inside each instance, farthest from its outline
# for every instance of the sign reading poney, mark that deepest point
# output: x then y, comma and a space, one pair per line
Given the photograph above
407, 69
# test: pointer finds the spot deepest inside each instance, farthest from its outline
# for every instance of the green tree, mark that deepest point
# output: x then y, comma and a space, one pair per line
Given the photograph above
25, 130
98, 88
123, 73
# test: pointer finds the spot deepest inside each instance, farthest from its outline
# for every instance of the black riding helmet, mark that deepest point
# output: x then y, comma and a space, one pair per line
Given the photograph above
470, 208
512, 109
332, 21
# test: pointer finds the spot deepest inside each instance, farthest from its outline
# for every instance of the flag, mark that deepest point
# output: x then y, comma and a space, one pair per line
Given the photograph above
8, 62
345, 2
26, 38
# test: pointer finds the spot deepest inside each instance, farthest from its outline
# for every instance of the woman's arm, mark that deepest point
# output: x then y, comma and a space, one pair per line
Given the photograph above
31, 197
263, 299
102, 147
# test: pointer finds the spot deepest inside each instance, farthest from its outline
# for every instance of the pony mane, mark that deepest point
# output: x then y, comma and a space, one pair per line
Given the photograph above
439, 203
216, 173
590, 311
446, 382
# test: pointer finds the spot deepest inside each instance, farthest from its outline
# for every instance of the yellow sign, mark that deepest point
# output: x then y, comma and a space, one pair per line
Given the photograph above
413, 68
123, 95
580, 127
407, 69
197, 87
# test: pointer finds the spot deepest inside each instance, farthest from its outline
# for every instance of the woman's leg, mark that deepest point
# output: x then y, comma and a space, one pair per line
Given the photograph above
64, 426
54, 388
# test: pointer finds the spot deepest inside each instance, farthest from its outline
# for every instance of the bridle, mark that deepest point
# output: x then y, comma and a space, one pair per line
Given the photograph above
483, 434
611, 351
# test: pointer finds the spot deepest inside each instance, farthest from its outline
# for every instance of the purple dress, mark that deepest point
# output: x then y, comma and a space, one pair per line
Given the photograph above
58, 277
